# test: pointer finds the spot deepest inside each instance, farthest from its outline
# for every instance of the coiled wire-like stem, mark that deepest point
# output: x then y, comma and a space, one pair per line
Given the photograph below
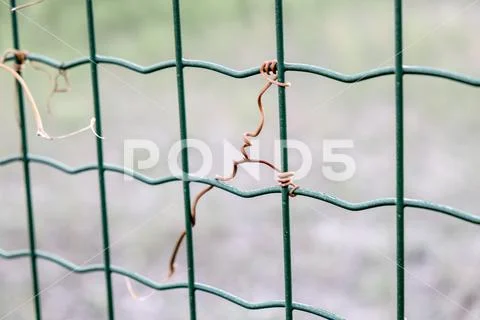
285, 179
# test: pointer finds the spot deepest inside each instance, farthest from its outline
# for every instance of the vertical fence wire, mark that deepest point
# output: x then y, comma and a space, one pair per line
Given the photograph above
400, 206
101, 169
184, 155
287, 254
26, 174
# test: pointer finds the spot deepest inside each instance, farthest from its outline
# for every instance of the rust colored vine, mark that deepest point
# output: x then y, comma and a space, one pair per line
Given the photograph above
21, 58
26, 5
285, 179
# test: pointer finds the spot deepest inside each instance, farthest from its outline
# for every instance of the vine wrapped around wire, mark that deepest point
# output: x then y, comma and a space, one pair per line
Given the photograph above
269, 71
21, 58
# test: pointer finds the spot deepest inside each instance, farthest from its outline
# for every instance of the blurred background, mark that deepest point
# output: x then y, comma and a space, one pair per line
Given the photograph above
342, 261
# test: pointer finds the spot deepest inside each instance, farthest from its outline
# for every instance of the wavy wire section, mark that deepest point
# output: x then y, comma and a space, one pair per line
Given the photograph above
161, 287
351, 206
298, 67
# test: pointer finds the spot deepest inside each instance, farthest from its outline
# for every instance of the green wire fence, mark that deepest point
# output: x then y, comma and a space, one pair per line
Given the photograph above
399, 70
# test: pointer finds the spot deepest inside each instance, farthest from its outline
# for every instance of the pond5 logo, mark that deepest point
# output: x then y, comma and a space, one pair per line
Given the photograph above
336, 164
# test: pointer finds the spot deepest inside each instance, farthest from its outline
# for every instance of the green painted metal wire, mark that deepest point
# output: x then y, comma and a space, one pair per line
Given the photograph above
162, 286
399, 71
240, 74
282, 115
100, 162
26, 176
184, 156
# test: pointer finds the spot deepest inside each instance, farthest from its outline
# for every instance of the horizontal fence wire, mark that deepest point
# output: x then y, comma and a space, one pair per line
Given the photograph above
305, 192
162, 286
246, 73
400, 202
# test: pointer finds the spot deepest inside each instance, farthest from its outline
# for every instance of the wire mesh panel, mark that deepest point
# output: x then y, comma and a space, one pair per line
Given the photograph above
179, 63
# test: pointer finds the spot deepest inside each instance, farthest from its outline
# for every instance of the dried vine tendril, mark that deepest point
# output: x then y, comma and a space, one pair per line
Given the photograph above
62, 73
269, 71
20, 61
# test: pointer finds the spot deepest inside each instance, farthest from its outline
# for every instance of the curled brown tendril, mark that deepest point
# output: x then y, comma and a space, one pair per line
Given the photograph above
270, 68
56, 88
269, 71
21, 58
